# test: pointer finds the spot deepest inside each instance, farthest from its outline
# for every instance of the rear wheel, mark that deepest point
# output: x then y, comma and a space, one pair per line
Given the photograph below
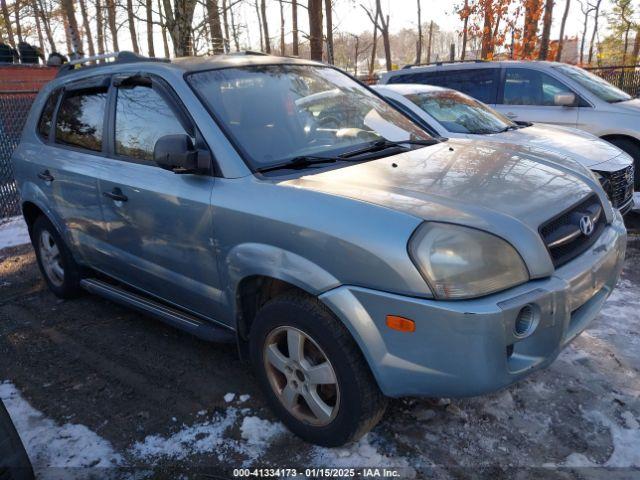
633, 149
58, 267
312, 372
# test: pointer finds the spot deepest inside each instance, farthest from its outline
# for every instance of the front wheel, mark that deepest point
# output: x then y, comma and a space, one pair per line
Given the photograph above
312, 372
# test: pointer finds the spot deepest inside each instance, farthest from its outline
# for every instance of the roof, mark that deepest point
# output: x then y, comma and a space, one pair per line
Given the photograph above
410, 88
186, 64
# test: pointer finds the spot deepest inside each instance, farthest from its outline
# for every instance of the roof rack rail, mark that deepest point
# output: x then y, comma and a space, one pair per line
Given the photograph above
118, 57
442, 62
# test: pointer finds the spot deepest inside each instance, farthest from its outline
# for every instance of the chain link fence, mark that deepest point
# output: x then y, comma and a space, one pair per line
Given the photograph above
626, 78
14, 108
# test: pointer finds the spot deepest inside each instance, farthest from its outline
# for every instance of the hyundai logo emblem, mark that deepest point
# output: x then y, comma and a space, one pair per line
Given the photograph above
586, 225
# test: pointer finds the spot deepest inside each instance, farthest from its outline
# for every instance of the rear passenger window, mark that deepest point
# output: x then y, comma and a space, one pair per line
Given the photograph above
142, 117
80, 119
531, 87
44, 125
480, 83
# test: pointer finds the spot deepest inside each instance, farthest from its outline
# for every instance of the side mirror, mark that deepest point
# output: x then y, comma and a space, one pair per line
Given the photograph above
565, 99
178, 154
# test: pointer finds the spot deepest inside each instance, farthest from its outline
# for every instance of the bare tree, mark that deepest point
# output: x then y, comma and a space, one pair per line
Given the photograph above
586, 11
419, 42
234, 30
213, 17
99, 27
87, 27
132, 26
36, 16
46, 24
72, 27
429, 42
282, 49
111, 20
148, 7
163, 30
465, 29
315, 29
17, 7
260, 29
595, 31
265, 26
382, 23
562, 26
547, 19
329, 22
7, 23
294, 27
225, 22
179, 23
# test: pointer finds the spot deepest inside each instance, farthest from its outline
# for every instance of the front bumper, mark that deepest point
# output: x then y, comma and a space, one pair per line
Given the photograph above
465, 348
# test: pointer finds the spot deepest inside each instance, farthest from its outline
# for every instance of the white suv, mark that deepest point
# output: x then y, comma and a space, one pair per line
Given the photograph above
545, 92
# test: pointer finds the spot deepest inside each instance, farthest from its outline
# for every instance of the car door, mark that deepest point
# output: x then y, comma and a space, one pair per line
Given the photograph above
527, 95
159, 223
73, 146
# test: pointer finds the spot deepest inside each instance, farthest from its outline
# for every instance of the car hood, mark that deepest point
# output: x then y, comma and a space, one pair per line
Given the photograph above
630, 106
586, 149
474, 183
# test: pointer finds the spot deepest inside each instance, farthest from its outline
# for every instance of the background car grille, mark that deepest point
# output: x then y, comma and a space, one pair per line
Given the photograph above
618, 185
562, 234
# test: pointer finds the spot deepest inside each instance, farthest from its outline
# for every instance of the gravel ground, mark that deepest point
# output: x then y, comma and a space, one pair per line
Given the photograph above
91, 384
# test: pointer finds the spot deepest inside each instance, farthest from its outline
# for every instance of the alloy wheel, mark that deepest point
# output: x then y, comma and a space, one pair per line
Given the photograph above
51, 259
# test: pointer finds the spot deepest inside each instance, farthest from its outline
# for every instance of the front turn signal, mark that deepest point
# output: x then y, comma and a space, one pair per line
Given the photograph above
400, 324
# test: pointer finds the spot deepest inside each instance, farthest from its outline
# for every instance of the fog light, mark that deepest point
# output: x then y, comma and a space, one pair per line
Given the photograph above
526, 322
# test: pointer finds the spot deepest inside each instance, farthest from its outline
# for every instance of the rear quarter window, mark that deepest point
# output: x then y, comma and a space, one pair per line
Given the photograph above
46, 117
480, 83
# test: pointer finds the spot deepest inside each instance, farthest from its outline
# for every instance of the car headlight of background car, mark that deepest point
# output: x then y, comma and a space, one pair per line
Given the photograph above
459, 262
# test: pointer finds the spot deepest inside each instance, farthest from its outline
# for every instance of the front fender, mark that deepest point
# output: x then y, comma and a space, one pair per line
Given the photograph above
252, 259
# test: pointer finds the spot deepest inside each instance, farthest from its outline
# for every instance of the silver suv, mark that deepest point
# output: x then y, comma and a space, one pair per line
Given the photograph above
282, 205
541, 92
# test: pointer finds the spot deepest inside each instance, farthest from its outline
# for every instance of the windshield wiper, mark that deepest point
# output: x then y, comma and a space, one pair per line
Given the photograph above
302, 161
380, 145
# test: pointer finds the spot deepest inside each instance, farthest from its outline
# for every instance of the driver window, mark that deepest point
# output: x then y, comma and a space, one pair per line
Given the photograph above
531, 87
142, 117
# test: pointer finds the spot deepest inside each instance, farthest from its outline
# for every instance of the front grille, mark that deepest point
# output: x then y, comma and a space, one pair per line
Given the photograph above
563, 235
618, 185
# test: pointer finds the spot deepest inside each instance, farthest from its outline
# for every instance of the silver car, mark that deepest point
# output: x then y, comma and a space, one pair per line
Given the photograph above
452, 114
280, 204
544, 92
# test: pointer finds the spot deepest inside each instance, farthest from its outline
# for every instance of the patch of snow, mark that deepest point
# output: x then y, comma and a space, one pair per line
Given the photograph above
359, 454
630, 421
49, 444
13, 232
204, 437
244, 398
636, 201
259, 432
229, 397
578, 460
626, 453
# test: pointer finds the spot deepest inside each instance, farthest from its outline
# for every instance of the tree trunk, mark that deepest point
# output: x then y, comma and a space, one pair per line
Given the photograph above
234, 30
36, 16
282, 49
636, 47
225, 22
626, 44
265, 25
546, 30
17, 7
260, 29
99, 28
148, 5
213, 17
355, 72
465, 29
329, 21
87, 27
179, 21
132, 26
487, 31
47, 26
595, 31
429, 41
111, 20
315, 29
384, 30
531, 19
584, 35
419, 43
7, 23
74, 37
374, 46
562, 25
294, 27
163, 30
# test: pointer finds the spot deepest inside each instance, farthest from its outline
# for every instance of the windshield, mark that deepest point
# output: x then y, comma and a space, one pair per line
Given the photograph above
594, 84
278, 112
460, 113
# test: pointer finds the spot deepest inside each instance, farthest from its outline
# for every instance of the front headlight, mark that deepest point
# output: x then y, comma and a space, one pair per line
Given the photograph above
459, 262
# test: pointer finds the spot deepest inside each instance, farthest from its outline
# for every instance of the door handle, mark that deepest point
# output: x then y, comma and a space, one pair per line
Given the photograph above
46, 176
116, 195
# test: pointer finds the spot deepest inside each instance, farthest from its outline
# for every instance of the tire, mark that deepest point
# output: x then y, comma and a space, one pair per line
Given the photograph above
355, 402
633, 149
64, 284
